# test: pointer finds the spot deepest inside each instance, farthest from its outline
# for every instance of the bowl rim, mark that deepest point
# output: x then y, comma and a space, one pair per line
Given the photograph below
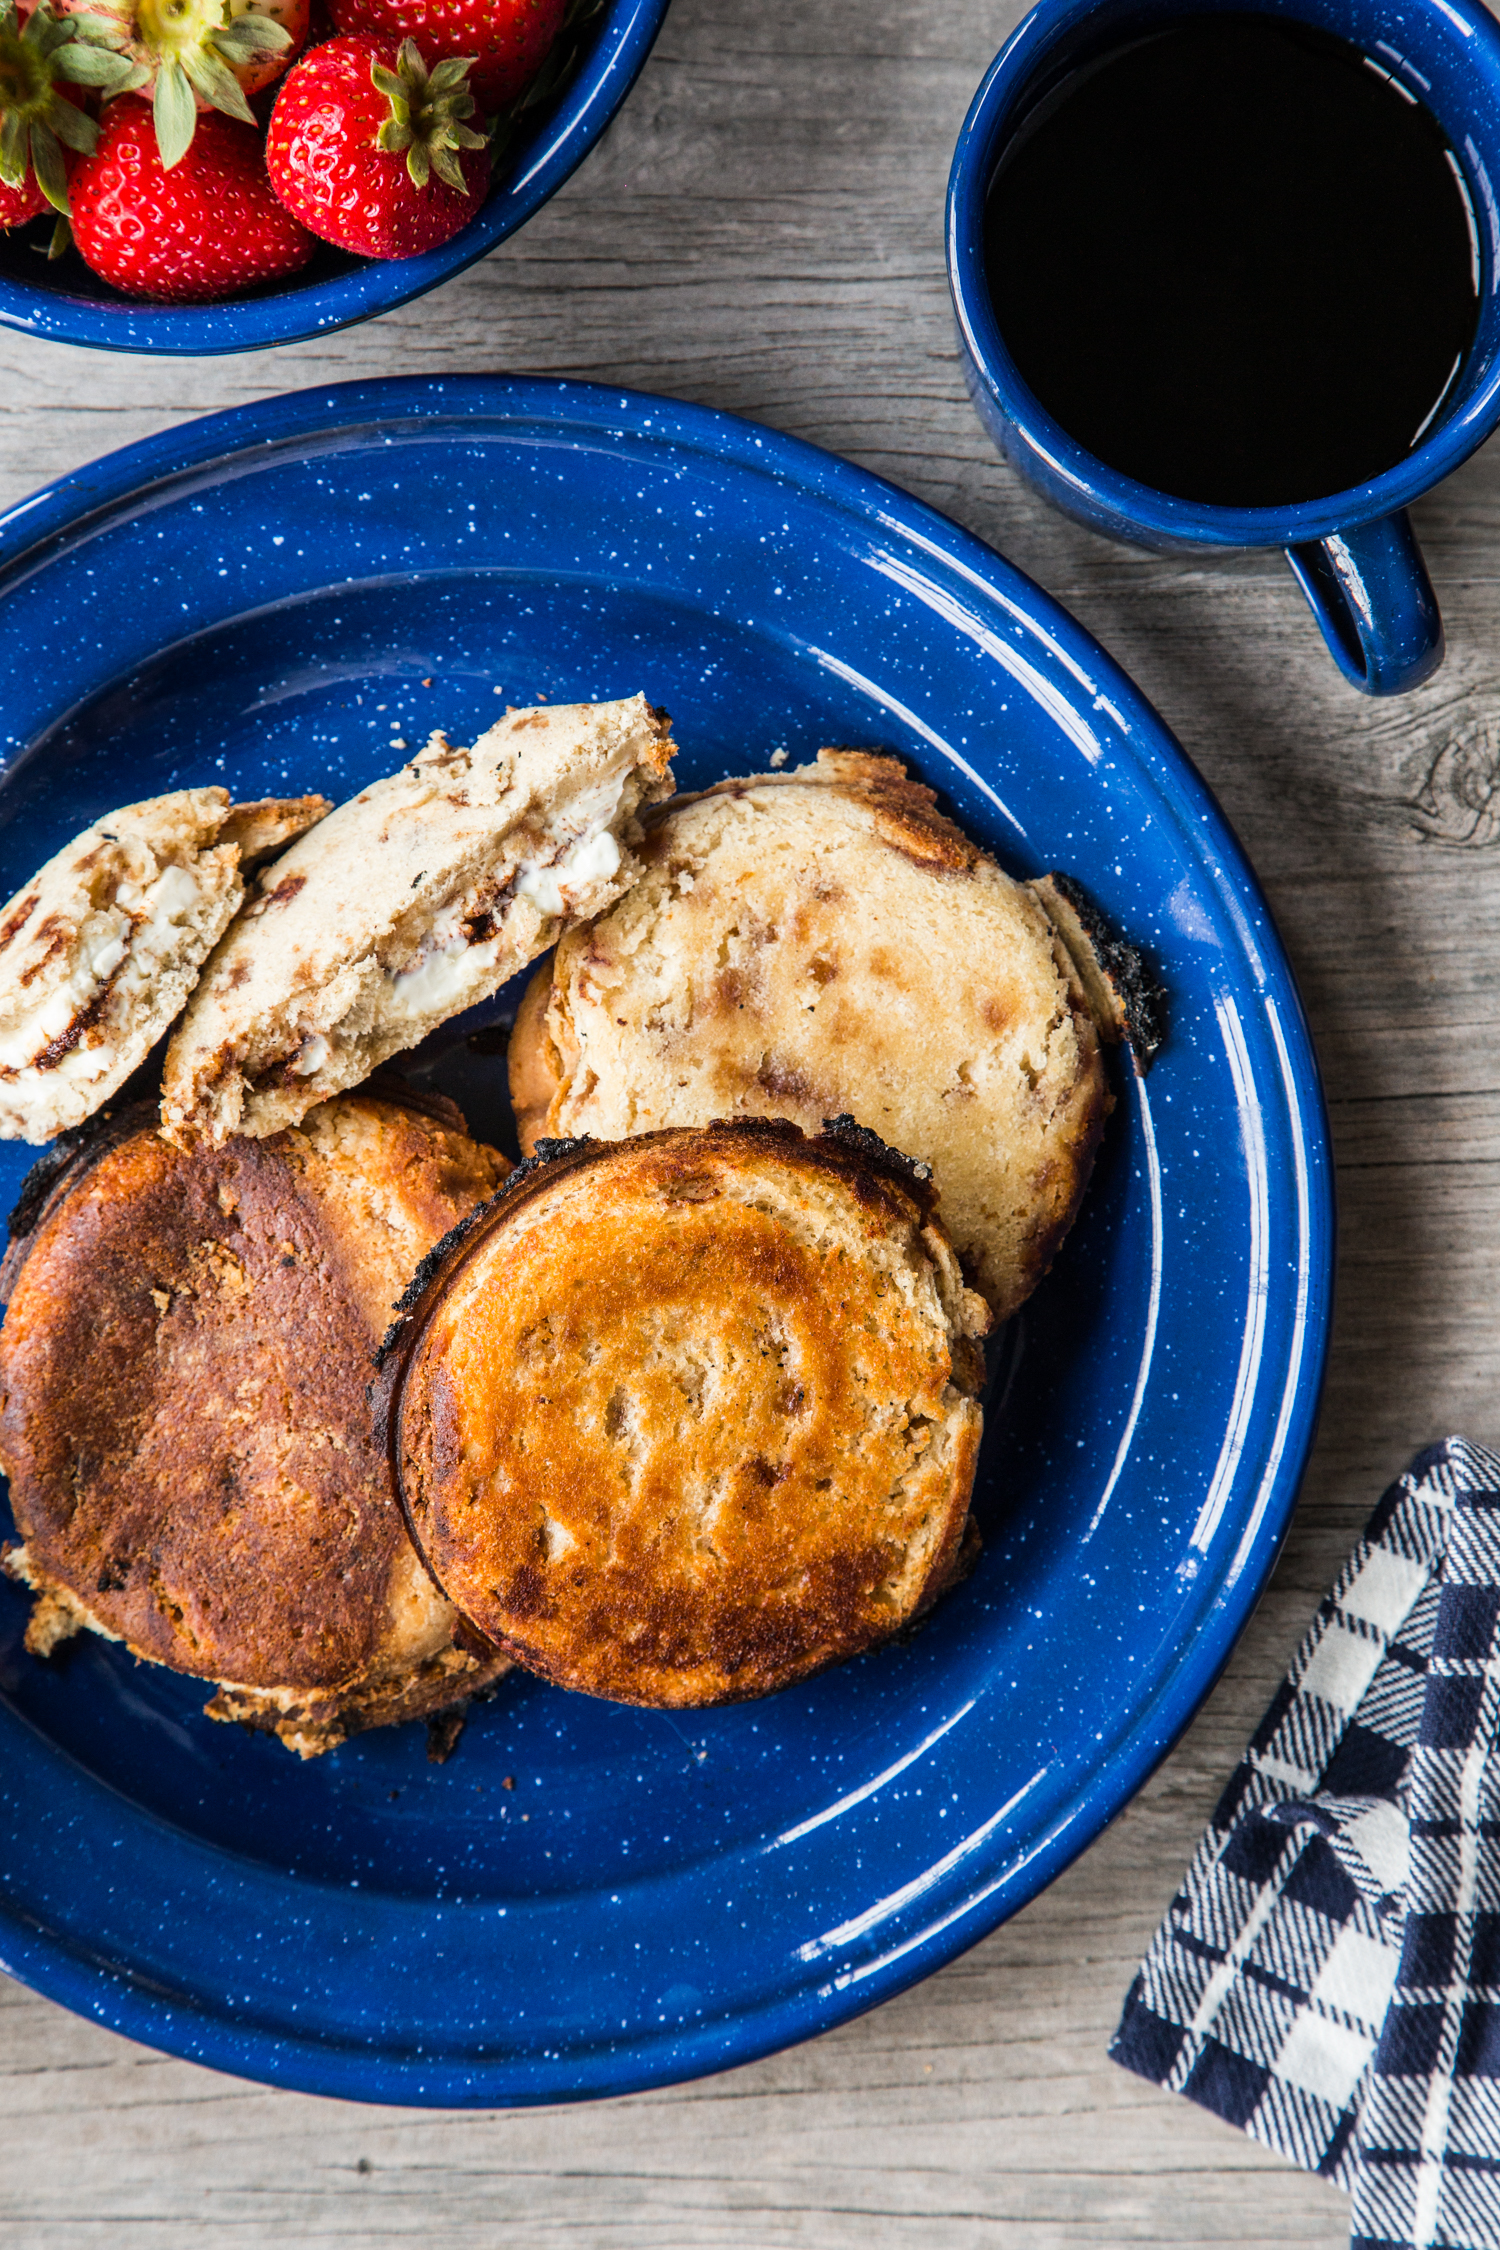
568, 131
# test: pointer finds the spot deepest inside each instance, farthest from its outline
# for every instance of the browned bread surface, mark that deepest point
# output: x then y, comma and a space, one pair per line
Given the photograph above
820, 941
681, 1421
183, 1415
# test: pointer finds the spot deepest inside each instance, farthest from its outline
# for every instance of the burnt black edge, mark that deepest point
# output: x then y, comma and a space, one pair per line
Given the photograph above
37, 1187
846, 1128
1142, 995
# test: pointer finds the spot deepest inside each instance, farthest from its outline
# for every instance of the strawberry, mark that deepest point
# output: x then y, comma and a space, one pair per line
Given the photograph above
206, 228
191, 56
41, 125
371, 150
507, 38
19, 204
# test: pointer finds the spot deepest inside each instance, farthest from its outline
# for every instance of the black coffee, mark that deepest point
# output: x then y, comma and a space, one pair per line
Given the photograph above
1235, 260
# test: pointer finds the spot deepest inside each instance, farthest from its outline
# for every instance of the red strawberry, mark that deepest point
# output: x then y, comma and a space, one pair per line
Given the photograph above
205, 229
372, 152
17, 205
507, 38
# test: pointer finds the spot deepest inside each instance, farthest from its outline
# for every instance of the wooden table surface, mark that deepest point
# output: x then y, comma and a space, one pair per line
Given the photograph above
761, 230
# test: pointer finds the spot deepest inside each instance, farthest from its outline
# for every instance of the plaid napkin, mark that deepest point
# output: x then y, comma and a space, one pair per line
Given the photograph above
1328, 1977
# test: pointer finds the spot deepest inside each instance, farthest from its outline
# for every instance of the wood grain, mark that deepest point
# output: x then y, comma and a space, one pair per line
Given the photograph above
761, 231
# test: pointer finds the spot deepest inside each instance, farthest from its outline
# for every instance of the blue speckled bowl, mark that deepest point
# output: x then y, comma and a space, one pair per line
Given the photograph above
268, 598
69, 304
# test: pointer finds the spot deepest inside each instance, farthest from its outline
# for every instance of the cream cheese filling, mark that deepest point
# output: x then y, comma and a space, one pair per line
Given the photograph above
126, 943
441, 977
549, 883
443, 974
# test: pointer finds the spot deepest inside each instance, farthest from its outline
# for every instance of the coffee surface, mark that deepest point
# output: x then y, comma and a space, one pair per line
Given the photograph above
1234, 260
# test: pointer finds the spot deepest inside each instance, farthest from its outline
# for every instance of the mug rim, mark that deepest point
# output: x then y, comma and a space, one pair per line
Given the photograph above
1090, 480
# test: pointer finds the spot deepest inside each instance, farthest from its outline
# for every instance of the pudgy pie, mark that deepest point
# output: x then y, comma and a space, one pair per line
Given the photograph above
99, 951
183, 1416
821, 941
416, 899
682, 1420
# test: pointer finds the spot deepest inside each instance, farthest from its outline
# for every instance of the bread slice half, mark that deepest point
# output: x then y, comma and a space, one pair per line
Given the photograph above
682, 1419
100, 950
183, 1418
413, 901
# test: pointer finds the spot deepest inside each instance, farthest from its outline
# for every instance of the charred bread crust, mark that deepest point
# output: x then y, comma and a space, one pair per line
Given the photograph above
199, 1481
52, 1176
848, 1129
1128, 998
880, 1199
907, 815
313, 1724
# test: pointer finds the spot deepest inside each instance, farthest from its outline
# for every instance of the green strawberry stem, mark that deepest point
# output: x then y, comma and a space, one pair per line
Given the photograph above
427, 116
36, 120
179, 50
196, 47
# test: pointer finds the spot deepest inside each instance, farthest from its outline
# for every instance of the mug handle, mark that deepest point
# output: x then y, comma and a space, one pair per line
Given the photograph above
1369, 590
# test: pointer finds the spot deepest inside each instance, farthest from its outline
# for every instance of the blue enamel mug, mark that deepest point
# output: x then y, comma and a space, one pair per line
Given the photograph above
1352, 552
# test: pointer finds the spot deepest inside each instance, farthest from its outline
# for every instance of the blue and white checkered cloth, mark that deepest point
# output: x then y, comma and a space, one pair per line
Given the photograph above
1328, 1977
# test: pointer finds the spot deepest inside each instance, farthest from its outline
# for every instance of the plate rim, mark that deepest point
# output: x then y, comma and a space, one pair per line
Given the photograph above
53, 1962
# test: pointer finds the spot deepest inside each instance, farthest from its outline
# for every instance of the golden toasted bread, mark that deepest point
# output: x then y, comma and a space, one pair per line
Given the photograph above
183, 1416
681, 1420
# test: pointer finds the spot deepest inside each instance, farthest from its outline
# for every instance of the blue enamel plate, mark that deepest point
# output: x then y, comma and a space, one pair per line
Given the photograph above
588, 1899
